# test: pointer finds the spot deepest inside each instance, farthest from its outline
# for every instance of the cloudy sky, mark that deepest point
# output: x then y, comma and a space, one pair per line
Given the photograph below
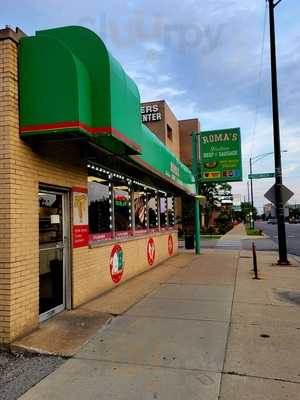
205, 58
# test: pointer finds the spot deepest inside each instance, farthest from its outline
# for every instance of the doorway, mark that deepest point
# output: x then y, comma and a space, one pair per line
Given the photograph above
54, 225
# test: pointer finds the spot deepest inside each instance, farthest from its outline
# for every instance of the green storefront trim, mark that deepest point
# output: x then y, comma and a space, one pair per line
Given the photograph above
71, 86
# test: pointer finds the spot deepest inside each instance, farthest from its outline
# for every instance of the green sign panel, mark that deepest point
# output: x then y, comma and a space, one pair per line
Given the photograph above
262, 176
221, 159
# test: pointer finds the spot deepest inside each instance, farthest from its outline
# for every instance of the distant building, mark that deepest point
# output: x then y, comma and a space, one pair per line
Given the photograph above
294, 206
270, 211
174, 133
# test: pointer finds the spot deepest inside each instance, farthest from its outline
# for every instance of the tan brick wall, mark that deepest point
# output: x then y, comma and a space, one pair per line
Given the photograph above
22, 169
186, 127
91, 272
8, 123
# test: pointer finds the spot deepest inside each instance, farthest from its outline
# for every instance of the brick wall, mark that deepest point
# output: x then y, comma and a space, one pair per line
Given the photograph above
8, 124
186, 127
22, 169
91, 272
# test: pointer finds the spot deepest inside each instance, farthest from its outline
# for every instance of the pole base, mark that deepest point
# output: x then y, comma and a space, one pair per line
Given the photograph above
283, 262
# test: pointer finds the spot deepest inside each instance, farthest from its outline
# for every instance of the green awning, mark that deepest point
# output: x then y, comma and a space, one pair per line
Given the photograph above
71, 86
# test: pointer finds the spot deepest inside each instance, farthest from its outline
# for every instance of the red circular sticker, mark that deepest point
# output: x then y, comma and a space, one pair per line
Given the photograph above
116, 263
170, 245
150, 251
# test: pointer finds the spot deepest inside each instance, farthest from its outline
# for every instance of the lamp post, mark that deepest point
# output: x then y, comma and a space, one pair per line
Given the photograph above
283, 260
195, 170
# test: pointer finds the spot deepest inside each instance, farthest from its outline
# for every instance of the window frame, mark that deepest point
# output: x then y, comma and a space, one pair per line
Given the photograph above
108, 235
114, 235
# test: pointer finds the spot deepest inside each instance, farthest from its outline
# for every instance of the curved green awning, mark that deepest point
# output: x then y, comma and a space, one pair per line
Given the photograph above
70, 86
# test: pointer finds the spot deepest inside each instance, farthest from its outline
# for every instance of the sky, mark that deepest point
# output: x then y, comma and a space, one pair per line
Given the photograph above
208, 59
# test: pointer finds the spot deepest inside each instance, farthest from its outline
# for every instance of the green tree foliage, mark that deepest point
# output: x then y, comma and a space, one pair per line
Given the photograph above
245, 213
212, 192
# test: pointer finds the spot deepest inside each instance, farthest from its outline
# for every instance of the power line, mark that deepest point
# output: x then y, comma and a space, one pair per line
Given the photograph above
259, 80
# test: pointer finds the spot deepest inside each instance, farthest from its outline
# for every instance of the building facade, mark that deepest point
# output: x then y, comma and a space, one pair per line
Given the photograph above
176, 135
85, 202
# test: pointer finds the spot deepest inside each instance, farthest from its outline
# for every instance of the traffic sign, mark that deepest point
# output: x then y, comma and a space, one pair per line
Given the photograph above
286, 194
262, 175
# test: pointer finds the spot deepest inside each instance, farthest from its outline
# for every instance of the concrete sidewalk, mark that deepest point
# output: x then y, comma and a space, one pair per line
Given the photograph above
238, 232
208, 332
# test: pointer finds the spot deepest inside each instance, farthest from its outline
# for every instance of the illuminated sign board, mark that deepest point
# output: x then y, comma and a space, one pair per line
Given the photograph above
221, 159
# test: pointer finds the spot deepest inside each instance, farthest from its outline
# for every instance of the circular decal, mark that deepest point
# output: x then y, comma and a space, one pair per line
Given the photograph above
116, 263
170, 245
150, 251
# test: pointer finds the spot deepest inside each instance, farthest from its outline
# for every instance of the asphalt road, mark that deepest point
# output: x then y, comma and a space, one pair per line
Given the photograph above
292, 235
271, 243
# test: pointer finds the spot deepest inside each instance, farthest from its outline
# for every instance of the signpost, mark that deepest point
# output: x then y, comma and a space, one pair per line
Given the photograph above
221, 159
285, 193
262, 175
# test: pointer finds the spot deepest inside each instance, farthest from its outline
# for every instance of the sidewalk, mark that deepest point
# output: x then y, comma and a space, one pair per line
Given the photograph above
208, 332
239, 233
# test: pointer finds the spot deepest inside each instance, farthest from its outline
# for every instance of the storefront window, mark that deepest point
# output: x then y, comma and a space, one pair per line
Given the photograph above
140, 209
153, 210
119, 206
122, 208
171, 210
100, 210
163, 212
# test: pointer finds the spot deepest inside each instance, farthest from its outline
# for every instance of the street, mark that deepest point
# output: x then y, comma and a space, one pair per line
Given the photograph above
267, 244
292, 235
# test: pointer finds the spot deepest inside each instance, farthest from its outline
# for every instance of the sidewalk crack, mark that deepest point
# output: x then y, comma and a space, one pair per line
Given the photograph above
259, 377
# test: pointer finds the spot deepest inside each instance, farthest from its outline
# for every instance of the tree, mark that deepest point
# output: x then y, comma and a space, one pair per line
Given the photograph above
213, 192
246, 210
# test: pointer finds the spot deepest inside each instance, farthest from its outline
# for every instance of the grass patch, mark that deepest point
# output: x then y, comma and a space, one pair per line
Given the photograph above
211, 237
253, 232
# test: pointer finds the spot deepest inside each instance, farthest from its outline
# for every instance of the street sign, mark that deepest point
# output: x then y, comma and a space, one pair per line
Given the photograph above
286, 194
221, 159
262, 175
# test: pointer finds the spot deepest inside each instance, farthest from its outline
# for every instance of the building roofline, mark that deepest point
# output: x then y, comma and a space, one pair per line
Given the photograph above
8, 33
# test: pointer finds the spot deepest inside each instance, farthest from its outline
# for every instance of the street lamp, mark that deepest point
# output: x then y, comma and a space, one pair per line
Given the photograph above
253, 160
195, 161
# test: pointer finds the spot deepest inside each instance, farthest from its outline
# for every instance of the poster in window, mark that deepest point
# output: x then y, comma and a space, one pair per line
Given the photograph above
80, 217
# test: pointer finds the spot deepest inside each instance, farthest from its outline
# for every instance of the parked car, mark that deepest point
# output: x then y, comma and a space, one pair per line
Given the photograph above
272, 221
295, 221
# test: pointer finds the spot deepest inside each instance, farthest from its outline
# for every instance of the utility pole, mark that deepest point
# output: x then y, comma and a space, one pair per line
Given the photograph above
252, 200
195, 170
283, 260
248, 198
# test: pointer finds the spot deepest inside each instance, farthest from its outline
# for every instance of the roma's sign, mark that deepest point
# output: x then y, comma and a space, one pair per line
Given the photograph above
221, 159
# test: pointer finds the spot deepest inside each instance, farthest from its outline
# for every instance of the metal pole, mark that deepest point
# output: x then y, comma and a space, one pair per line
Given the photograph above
197, 208
252, 200
248, 191
283, 260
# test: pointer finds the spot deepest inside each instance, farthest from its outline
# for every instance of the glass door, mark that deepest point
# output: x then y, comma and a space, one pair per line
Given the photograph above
52, 253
